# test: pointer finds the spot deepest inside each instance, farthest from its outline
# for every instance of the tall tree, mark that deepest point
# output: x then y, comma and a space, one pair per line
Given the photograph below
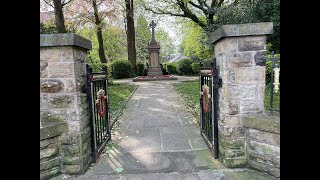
58, 13
202, 12
98, 23
131, 35
96, 12
210, 14
193, 43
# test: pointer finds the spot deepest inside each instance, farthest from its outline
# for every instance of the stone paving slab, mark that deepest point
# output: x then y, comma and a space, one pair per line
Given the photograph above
174, 138
154, 162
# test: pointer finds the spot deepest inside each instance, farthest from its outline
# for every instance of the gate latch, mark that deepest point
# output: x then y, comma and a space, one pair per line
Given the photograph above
217, 81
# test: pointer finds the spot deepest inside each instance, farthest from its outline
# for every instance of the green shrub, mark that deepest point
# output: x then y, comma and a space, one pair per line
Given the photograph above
207, 62
195, 67
140, 67
184, 66
121, 69
171, 68
164, 65
48, 28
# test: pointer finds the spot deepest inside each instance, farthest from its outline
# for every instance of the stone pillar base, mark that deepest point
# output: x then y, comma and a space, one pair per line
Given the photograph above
155, 71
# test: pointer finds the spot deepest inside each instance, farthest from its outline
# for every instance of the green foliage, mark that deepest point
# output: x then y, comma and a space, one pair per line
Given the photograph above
48, 28
194, 44
140, 67
184, 66
195, 67
143, 36
166, 44
114, 43
114, 39
121, 69
267, 98
269, 11
207, 62
171, 68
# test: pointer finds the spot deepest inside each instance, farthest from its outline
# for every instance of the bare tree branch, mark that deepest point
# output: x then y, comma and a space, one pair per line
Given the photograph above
167, 13
199, 7
65, 3
220, 2
47, 2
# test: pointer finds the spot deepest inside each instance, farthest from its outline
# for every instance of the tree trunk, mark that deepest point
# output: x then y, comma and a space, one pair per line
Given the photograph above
131, 36
59, 19
102, 55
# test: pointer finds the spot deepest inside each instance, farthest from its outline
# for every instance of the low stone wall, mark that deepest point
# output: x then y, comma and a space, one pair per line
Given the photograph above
263, 143
50, 155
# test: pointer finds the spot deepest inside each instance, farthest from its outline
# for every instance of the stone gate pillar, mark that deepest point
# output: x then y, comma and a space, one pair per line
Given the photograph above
238, 49
62, 75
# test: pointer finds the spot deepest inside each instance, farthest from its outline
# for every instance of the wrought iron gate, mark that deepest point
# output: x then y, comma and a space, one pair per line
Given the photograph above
209, 84
98, 99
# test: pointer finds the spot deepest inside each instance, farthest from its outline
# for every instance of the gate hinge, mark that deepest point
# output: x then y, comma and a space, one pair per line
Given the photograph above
220, 82
84, 89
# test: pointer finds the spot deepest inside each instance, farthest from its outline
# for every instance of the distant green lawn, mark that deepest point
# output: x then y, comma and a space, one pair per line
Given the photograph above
190, 92
118, 94
267, 97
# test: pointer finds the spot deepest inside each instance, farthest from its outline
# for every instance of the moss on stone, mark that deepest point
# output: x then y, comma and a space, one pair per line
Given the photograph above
263, 123
53, 129
234, 162
231, 143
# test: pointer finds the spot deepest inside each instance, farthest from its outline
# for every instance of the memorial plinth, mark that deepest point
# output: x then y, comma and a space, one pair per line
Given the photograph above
154, 69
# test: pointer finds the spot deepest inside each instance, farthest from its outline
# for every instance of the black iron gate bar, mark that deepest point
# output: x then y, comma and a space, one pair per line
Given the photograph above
217, 83
100, 126
275, 64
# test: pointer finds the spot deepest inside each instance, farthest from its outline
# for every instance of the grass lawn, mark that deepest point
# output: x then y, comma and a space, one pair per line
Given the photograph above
119, 93
190, 92
276, 98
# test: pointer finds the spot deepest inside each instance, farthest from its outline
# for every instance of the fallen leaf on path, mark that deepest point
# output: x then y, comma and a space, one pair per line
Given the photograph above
119, 170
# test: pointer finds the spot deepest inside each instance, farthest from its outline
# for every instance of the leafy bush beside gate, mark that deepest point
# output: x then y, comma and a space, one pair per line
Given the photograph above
195, 67
171, 68
121, 69
140, 67
184, 66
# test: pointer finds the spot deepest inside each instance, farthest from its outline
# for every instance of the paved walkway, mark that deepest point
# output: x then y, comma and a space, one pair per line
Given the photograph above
156, 138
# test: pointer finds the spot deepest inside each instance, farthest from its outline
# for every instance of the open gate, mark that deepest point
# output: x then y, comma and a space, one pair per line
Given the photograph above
98, 99
209, 84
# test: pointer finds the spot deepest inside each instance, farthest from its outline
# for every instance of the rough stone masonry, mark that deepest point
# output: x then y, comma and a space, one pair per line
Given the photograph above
238, 49
64, 122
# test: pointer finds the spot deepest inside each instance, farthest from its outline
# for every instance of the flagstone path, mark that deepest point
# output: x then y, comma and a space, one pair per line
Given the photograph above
157, 138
